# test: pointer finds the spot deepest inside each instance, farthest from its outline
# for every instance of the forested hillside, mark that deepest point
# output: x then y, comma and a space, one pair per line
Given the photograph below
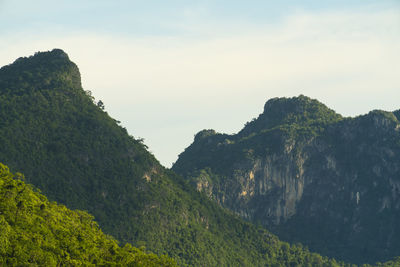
67, 146
36, 232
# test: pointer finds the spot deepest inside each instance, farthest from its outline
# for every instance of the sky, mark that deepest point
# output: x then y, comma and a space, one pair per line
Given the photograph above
168, 69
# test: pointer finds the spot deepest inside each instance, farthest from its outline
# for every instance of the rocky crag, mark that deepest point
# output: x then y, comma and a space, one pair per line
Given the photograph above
308, 174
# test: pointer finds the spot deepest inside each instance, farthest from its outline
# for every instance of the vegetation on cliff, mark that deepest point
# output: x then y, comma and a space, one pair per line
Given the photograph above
308, 175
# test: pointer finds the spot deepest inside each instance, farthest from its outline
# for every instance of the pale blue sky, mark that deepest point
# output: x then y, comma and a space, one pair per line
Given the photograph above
168, 69
159, 17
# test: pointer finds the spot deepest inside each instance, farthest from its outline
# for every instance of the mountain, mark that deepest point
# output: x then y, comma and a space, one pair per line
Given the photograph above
309, 175
36, 232
68, 147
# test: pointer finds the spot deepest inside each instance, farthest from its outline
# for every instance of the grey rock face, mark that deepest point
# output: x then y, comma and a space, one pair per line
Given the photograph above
309, 175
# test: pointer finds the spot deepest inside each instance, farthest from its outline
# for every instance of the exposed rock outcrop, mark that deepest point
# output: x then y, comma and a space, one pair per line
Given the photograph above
312, 176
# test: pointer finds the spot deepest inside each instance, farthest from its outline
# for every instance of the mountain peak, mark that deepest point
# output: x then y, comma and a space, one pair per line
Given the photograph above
59, 52
293, 104
49, 56
43, 70
295, 110
379, 121
205, 133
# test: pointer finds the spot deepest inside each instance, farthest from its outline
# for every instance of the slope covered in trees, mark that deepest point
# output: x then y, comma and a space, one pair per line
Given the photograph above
68, 147
36, 232
309, 175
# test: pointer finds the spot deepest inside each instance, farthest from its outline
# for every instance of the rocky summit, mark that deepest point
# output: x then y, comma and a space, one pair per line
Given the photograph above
308, 174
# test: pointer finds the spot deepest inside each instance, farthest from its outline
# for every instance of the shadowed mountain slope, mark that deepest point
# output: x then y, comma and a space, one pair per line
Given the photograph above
308, 175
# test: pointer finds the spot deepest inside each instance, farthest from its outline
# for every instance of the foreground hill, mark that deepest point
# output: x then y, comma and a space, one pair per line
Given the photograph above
36, 232
68, 147
309, 175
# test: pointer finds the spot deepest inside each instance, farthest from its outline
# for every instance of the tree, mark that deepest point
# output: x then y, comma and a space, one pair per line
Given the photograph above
100, 104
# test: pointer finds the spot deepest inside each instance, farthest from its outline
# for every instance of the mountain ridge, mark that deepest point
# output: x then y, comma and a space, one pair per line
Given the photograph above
297, 174
76, 154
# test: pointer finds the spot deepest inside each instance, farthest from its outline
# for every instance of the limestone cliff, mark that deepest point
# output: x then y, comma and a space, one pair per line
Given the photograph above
312, 176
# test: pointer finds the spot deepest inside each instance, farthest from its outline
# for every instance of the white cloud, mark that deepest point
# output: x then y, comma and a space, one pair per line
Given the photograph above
168, 87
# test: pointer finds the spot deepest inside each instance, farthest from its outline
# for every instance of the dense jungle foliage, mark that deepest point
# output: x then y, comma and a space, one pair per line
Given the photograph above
37, 232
